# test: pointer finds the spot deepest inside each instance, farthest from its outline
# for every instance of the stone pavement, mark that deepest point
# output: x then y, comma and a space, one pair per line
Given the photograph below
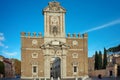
10, 79
110, 78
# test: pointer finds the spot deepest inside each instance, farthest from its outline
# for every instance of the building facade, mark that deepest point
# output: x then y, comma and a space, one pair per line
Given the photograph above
8, 68
112, 68
37, 51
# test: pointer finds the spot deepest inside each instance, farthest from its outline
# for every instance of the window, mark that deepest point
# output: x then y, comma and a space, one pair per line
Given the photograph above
34, 70
75, 68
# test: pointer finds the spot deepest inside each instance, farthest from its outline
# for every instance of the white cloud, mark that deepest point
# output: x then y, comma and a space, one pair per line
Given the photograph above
10, 54
6, 47
1, 34
2, 38
103, 26
1, 44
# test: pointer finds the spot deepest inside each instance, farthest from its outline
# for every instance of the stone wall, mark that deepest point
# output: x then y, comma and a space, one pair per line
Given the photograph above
91, 63
117, 60
95, 73
77, 56
110, 71
28, 49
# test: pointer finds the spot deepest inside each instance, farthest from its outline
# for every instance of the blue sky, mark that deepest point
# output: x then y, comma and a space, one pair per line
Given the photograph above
100, 18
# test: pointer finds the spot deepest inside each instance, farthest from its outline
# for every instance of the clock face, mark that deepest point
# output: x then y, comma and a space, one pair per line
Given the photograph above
54, 20
34, 41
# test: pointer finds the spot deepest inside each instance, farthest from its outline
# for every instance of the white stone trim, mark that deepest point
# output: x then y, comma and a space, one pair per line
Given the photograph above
83, 77
34, 42
75, 43
36, 70
33, 77
75, 73
86, 76
26, 77
76, 49
34, 55
75, 55
32, 48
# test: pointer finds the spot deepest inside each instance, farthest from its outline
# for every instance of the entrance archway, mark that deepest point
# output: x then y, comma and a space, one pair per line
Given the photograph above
56, 49
55, 67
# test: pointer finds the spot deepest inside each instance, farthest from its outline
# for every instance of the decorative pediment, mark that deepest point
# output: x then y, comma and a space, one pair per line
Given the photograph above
55, 44
54, 7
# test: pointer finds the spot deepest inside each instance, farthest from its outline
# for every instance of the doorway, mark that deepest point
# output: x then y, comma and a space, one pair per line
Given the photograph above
118, 71
111, 73
55, 67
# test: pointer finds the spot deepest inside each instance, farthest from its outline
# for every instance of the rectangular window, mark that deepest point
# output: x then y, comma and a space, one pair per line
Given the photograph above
75, 68
34, 69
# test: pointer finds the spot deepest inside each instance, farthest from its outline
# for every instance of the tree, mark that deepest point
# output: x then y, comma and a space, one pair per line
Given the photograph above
105, 59
114, 49
2, 68
100, 60
96, 60
17, 67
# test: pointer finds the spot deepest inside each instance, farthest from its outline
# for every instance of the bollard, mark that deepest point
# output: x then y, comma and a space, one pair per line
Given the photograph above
58, 78
51, 78
76, 78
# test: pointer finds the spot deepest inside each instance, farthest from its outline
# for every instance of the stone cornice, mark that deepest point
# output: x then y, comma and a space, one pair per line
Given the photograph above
31, 48
76, 49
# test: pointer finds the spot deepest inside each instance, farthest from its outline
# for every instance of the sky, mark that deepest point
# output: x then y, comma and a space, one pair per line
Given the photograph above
99, 18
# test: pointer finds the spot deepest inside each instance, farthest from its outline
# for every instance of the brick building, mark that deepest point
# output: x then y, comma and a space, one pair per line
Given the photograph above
37, 50
8, 67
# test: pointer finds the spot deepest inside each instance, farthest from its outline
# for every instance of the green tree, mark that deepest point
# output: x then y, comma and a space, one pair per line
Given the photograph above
105, 59
100, 60
96, 60
2, 68
114, 49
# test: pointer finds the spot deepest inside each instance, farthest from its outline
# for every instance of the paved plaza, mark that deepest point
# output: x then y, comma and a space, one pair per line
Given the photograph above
118, 78
110, 78
10, 79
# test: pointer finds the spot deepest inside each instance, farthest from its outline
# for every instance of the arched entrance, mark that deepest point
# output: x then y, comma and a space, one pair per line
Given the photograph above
55, 67
55, 59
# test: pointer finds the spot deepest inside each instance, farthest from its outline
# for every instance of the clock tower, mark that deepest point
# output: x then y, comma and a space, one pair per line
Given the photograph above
54, 20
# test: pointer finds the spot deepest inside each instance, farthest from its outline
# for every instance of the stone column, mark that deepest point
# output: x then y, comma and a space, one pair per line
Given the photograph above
47, 65
63, 64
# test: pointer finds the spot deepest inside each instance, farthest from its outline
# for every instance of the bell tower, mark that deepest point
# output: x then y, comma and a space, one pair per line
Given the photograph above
54, 20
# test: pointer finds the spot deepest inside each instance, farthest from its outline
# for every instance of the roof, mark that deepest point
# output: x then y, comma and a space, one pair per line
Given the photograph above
54, 7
